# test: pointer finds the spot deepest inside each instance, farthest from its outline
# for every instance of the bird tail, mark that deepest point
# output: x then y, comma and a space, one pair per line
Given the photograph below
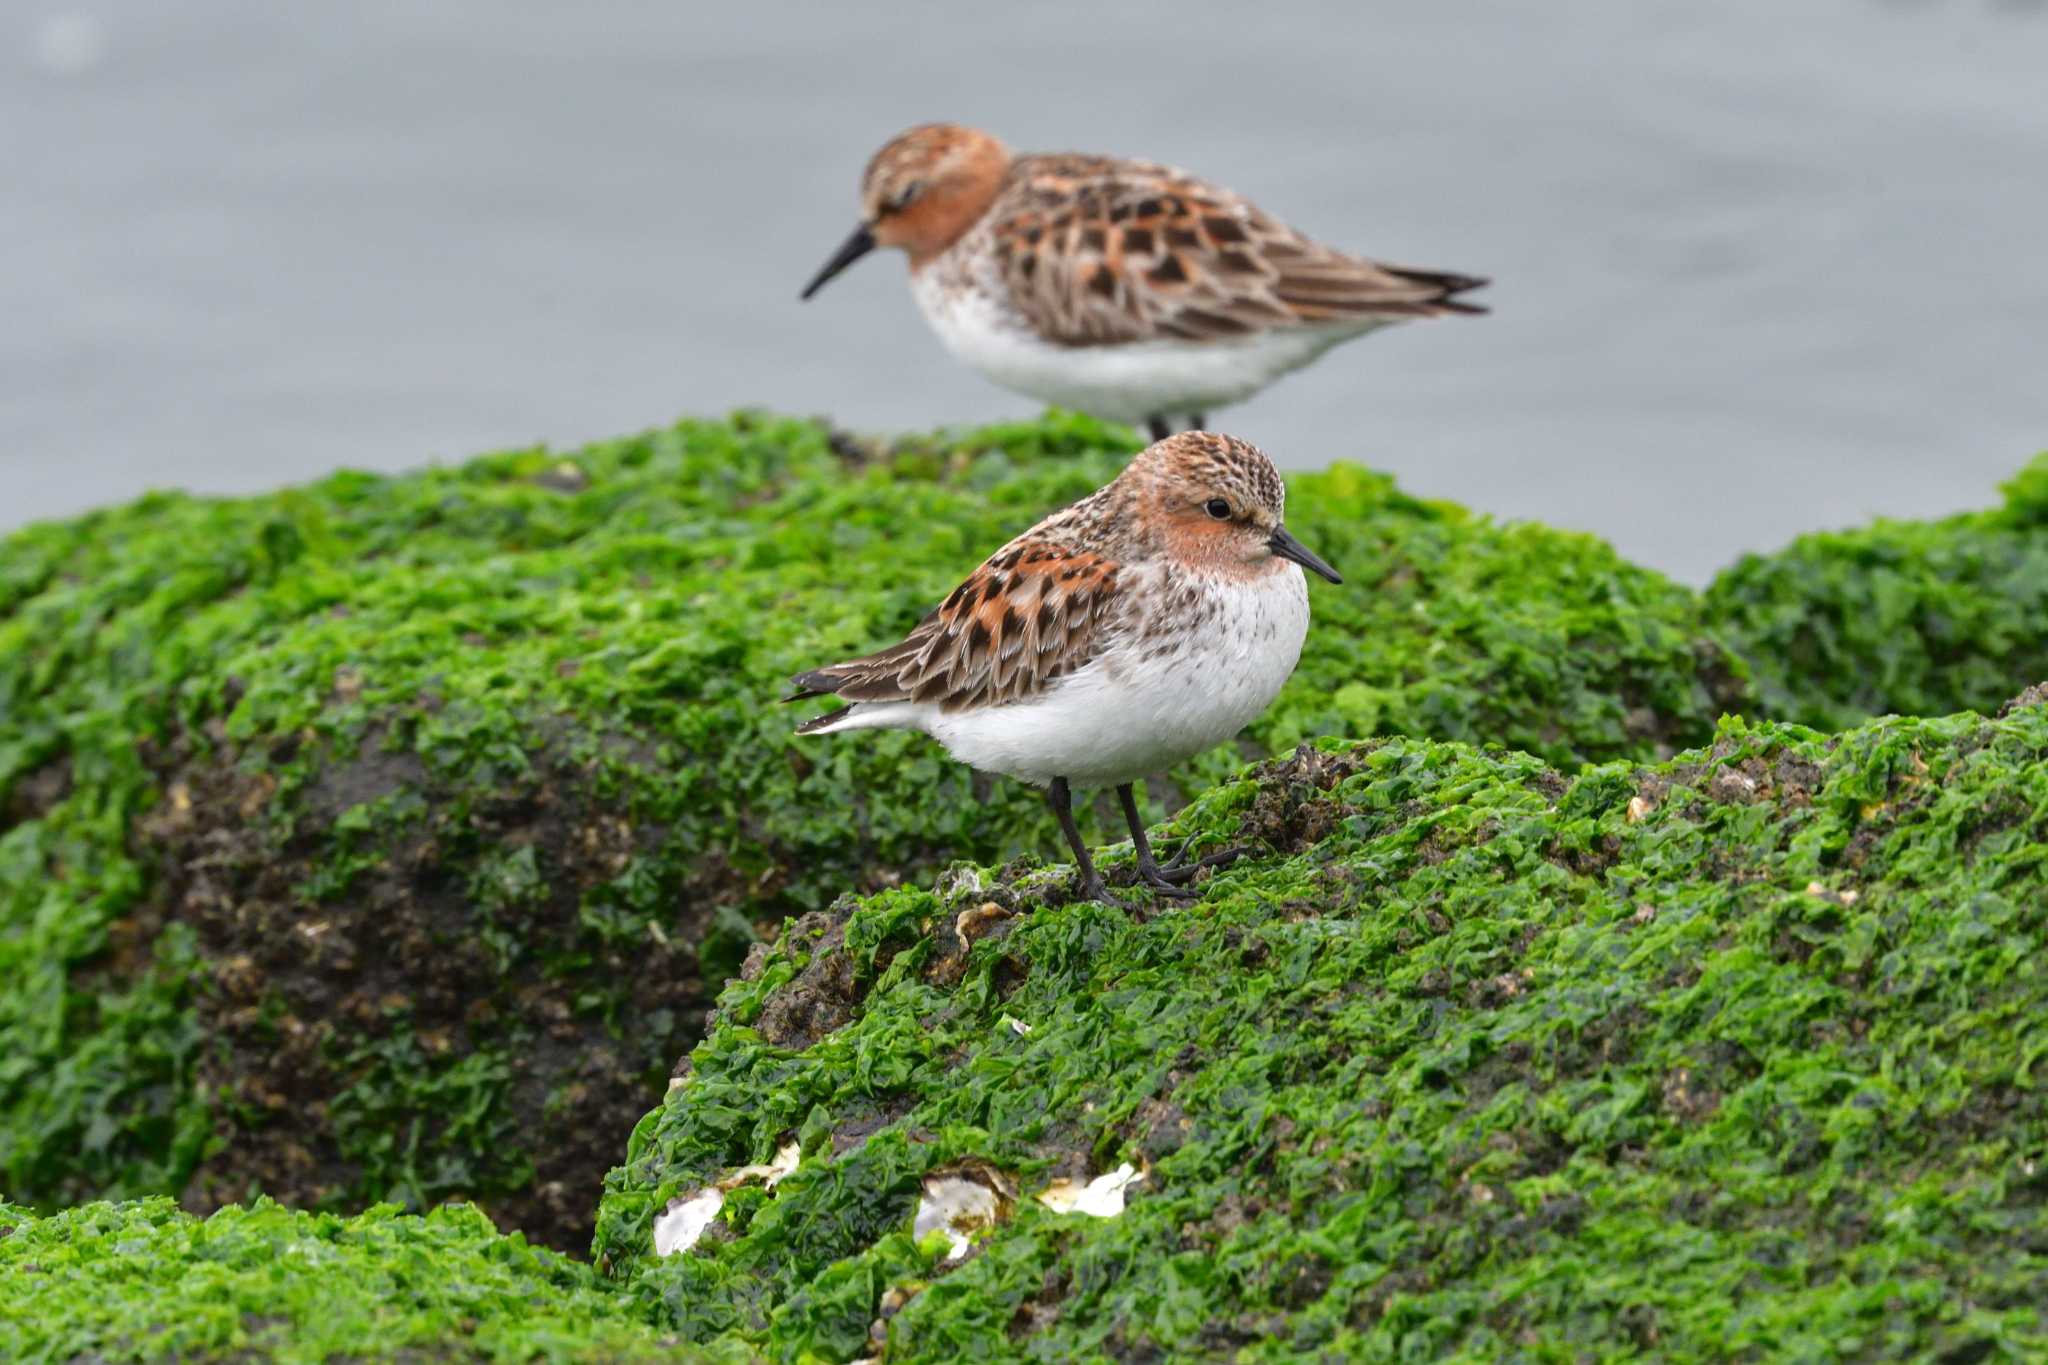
884, 714
1445, 286
862, 715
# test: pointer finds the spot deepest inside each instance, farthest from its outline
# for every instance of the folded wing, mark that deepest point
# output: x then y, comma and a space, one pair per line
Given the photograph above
1033, 613
1096, 250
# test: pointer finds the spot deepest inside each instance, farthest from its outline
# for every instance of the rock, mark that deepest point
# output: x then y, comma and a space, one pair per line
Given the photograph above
1908, 618
386, 838
1475, 1058
389, 838
145, 1281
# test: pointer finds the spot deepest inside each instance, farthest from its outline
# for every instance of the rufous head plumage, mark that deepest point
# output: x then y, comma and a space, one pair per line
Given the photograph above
929, 184
1216, 503
921, 191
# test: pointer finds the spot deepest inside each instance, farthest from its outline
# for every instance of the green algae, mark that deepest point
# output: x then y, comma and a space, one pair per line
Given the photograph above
142, 1281
386, 838
1906, 618
1736, 1054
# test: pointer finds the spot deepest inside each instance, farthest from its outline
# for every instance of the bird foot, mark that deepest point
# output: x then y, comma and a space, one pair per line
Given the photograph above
1172, 878
1093, 888
1169, 885
1183, 868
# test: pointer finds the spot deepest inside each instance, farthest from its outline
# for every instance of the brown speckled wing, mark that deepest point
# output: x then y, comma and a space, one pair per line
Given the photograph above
1096, 250
1034, 612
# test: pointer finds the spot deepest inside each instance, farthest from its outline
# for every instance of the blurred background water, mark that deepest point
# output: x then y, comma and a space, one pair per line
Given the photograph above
1761, 267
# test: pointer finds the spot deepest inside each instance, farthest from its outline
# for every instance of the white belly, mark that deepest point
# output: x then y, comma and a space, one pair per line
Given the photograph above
1128, 381
1145, 705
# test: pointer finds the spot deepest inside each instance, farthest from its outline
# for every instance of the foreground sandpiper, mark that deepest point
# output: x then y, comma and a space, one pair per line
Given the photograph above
1146, 623
1128, 290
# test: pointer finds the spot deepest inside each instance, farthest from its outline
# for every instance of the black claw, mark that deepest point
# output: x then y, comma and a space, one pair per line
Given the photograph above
1170, 887
1173, 878
1180, 863
1100, 894
1093, 888
1169, 874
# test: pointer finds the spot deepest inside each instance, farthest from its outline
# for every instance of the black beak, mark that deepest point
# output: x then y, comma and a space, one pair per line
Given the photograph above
1287, 547
855, 247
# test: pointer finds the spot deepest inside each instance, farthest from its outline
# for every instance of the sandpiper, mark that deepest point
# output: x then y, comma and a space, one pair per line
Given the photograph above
1128, 290
1147, 622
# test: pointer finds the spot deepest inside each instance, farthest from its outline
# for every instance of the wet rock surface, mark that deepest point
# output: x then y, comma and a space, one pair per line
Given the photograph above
406, 1009
1456, 1022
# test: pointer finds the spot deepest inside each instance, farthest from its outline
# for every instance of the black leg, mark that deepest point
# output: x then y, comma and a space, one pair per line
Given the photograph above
1150, 874
1160, 431
1061, 799
1198, 421
1128, 795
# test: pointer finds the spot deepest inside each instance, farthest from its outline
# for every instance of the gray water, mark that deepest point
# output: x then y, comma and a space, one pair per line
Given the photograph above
1762, 266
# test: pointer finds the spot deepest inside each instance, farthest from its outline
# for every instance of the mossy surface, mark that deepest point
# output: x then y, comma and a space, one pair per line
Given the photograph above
143, 1281
1897, 618
386, 838
1733, 1055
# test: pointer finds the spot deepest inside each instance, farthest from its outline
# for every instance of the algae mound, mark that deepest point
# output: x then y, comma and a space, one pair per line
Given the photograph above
1733, 1054
1908, 618
1737, 1053
387, 838
144, 1282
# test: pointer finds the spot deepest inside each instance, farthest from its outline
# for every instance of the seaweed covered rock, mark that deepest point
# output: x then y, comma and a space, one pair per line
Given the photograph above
143, 1281
387, 838
1909, 618
1735, 1054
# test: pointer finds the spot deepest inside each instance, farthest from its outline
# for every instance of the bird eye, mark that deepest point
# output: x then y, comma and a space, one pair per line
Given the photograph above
1218, 509
901, 199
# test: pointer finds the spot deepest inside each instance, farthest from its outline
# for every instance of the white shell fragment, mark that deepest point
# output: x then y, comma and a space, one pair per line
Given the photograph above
956, 1206
684, 1223
1102, 1197
769, 1173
